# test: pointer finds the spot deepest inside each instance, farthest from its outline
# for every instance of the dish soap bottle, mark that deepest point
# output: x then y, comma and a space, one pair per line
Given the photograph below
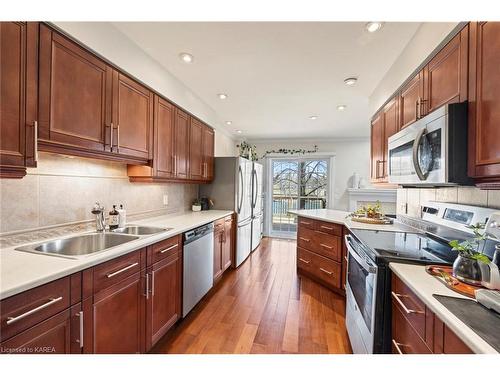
122, 217
113, 218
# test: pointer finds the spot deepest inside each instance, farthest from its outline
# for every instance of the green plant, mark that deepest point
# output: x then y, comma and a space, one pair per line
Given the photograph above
248, 151
197, 202
470, 248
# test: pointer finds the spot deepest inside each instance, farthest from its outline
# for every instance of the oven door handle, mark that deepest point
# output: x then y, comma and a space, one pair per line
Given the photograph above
421, 175
368, 267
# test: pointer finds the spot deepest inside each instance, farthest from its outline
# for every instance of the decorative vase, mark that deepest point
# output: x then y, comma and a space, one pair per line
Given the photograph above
196, 208
467, 270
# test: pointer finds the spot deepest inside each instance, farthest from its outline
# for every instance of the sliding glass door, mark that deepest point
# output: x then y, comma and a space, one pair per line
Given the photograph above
296, 184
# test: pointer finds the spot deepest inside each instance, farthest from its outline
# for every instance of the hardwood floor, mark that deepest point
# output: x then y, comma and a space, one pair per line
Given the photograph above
263, 307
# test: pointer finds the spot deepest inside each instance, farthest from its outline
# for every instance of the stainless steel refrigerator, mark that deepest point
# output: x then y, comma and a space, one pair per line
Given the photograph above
231, 189
257, 205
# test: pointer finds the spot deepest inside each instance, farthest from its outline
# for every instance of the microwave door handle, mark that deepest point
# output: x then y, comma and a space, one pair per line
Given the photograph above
355, 255
416, 164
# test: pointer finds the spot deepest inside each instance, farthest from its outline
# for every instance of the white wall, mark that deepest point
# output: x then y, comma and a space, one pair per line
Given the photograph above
351, 155
112, 44
425, 40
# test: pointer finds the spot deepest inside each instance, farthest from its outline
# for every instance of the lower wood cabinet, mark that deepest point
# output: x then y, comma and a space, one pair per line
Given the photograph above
416, 329
223, 245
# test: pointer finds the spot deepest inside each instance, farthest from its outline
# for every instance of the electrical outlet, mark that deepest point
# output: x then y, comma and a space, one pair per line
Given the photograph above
165, 199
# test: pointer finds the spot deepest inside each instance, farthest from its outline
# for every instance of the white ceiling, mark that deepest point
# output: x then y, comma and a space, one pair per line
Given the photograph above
277, 74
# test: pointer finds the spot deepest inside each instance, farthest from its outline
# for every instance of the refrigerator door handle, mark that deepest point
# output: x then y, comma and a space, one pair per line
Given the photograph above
254, 187
240, 192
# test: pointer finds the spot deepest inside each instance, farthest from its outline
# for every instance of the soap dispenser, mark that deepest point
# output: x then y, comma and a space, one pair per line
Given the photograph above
113, 218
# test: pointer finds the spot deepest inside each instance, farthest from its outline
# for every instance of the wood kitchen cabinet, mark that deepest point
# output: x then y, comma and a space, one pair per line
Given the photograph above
391, 127
377, 148
416, 329
18, 97
181, 144
223, 245
163, 301
228, 242
196, 161
484, 104
410, 100
208, 153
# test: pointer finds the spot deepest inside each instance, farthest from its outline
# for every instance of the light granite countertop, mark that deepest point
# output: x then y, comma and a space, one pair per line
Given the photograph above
20, 271
424, 286
340, 217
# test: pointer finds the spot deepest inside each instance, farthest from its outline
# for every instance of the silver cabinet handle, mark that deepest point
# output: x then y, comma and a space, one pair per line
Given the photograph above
396, 345
111, 137
325, 271
305, 261
406, 309
109, 275
13, 319
325, 227
80, 315
175, 164
305, 222
153, 283
326, 246
305, 239
118, 138
168, 248
147, 286
35, 139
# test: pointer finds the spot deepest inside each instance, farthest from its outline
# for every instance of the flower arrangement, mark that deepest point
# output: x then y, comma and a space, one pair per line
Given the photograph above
248, 151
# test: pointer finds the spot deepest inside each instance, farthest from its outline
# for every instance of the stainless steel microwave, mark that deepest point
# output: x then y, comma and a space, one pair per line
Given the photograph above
431, 151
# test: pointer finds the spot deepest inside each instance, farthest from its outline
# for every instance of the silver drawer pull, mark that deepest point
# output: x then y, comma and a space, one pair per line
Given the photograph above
305, 239
80, 340
325, 227
305, 261
13, 319
345, 258
109, 275
326, 246
168, 248
325, 271
305, 222
396, 345
406, 309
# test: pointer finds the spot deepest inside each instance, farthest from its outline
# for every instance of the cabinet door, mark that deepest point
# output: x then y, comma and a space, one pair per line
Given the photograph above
18, 96
410, 101
390, 128
377, 149
164, 299
218, 246
164, 138
118, 317
132, 118
208, 153
75, 95
181, 144
52, 336
484, 101
445, 76
196, 164
227, 244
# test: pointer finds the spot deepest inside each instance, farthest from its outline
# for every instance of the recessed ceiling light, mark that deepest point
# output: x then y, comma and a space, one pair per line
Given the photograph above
186, 57
350, 81
229, 122
222, 96
341, 107
371, 27
313, 117
239, 131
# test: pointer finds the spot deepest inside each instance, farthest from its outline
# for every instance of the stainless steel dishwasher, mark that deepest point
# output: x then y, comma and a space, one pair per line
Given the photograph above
198, 259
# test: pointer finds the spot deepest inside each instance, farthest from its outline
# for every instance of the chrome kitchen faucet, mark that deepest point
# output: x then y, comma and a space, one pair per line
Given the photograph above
100, 222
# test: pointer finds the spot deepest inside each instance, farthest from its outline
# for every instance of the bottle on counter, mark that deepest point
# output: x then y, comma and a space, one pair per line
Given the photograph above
122, 217
113, 218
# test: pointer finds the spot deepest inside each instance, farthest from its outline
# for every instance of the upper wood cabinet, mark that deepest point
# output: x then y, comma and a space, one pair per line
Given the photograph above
181, 144
89, 109
410, 101
208, 153
132, 118
196, 162
445, 76
377, 148
163, 161
484, 103
18, 97
391, 127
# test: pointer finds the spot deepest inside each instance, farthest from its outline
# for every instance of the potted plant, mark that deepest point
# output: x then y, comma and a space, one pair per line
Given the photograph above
467, 267
196, 206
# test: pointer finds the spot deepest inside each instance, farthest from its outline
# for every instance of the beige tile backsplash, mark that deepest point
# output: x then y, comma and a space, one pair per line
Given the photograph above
414, 198
63, 190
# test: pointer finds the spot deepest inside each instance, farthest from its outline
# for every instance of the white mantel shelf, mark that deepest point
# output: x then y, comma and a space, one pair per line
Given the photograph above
371, 195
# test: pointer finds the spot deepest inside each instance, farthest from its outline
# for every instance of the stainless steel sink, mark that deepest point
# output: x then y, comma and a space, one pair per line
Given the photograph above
138, 230
84, 244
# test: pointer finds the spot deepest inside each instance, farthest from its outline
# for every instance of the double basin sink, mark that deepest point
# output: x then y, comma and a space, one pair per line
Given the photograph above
90, 243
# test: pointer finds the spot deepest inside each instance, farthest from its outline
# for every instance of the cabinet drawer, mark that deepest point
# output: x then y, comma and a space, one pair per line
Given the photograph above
163, 249
26, 309
320, 267
327, 245
410, 306
329, 228
305, 238
405, 340
116, 270
306, 223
